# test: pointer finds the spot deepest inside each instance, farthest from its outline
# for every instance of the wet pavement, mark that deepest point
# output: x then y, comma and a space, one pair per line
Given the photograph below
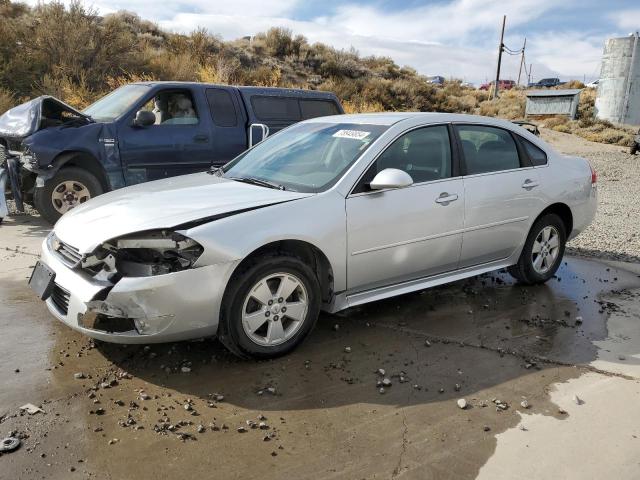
176, 409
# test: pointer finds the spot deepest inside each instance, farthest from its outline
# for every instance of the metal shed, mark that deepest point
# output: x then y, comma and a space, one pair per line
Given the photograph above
553, 102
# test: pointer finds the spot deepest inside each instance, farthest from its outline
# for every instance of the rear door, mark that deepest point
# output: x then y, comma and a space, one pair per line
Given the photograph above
502, 193
229, 131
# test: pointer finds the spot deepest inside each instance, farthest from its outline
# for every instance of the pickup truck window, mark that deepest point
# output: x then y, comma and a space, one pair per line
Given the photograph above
312, 108
275, 108
117, 103
173, 107
222, 108
307, 157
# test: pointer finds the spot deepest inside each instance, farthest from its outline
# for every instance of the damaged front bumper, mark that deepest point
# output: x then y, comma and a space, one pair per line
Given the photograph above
164, 308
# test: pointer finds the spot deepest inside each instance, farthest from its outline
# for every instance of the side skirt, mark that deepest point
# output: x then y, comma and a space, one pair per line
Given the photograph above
345, 299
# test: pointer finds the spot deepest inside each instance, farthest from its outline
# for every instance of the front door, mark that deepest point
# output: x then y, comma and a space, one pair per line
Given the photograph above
179, 142
502, 193
416, 231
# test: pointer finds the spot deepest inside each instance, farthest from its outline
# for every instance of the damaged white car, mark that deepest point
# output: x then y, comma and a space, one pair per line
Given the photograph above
324, 215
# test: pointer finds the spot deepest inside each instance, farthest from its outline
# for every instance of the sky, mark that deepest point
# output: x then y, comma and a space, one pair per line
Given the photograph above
452, 38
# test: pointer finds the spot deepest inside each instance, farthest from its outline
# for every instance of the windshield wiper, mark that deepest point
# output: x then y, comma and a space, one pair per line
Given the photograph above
259, 182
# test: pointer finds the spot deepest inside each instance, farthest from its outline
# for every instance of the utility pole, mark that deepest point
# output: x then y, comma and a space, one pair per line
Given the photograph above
522, 59
530, 75
500, 48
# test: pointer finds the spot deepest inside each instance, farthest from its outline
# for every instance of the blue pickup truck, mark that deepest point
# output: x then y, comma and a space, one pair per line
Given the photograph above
55, 157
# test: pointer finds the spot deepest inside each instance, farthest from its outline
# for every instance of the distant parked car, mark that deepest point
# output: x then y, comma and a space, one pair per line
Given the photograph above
436, 79
593, 84
328, 214
547, 82
502, 85
59, 157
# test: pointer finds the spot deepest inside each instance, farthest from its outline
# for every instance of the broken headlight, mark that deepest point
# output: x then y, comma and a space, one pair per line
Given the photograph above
143, 255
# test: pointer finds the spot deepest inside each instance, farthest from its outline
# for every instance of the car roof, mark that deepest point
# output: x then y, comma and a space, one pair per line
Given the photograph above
243, 88
392, 118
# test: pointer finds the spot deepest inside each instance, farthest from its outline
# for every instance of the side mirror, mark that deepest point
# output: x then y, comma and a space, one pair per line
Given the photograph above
391, 178
144, 118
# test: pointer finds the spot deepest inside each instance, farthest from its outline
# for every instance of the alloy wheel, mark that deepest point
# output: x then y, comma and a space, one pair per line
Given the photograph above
274, 309
69, 194
546, 248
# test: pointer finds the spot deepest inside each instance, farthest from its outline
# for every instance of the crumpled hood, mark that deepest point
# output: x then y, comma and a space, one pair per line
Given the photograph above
25, 119
161, 204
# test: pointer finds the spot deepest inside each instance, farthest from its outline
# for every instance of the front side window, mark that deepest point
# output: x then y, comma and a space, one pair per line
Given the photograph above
174, 107
307, 157
487, 149
424, 153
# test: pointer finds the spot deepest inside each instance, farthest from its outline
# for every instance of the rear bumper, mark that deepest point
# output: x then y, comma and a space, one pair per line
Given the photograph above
176, 306
584, 212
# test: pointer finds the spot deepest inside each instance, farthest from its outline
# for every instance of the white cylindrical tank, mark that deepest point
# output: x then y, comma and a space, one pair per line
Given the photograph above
618, 95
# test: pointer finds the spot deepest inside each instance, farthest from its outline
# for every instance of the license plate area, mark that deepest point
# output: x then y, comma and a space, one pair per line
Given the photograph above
41, 281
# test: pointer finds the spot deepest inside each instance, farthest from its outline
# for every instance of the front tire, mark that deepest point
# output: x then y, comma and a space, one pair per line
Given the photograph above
542, 252
67, 189
269, 308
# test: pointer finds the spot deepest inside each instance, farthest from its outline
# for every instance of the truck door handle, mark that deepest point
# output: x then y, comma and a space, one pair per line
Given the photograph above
446, 198
201, 138
529, 184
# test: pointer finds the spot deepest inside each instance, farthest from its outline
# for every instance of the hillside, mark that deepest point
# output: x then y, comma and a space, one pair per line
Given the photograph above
78, 56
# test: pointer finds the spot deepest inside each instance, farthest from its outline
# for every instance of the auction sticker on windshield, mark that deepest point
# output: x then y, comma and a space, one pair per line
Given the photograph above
355, 134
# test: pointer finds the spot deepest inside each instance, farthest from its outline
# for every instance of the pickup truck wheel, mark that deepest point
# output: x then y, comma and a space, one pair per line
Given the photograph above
68, 188
542, 252
633, 149
270, 308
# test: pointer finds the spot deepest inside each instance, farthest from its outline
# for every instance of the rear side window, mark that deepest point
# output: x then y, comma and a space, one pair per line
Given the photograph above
275, 108
536, 154
317, 108
487, 149
223, 111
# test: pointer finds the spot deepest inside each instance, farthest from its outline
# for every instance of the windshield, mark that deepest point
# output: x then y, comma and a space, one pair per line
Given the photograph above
307, 157
113, 105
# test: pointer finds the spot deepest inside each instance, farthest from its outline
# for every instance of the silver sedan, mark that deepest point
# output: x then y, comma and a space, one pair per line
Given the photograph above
327, 214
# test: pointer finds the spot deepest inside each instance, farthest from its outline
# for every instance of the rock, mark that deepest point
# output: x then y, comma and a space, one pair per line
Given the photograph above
201, 428
578, 320
577, 400
218, 397
621, 357
386, 382
427, 343
457, 387
347, 349
486, 428
188, 407
105, 385
185, 369
113, 440
381, 371
462, 403
441, 390
241, 429
145, 396
524, 403
381, 390
31, 409
79, 376
523, 428
336, 327
271, 390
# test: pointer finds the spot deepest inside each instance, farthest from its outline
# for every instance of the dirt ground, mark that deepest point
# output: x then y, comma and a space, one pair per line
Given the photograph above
550, 375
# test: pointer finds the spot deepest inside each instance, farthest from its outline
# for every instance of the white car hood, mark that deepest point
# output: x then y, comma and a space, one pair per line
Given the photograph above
161, 204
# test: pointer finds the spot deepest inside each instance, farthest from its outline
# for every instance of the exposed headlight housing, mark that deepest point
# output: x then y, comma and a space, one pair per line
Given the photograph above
143, 254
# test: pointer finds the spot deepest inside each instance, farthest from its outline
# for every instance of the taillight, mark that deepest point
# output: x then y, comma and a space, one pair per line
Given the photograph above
594, 175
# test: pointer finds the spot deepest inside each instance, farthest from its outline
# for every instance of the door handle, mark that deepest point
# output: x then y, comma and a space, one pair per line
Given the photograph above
201, 138
446, 198
529, 184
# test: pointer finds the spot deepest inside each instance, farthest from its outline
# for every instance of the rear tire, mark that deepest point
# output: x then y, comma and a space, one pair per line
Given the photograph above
542, 252
68, 188
257, 319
